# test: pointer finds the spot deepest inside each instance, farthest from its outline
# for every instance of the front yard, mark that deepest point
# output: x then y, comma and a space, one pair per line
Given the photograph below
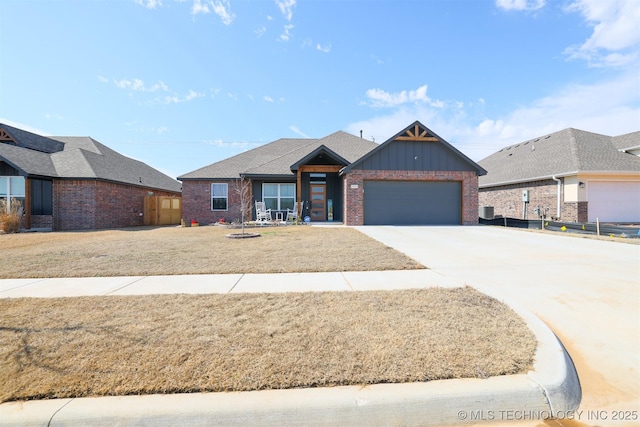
96, 346
194, 250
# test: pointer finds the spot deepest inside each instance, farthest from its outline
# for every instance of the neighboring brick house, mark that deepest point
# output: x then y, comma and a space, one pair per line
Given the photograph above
570, 175
415, 177
75, 183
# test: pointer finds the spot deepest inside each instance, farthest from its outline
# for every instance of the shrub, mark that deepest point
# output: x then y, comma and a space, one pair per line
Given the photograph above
10, 218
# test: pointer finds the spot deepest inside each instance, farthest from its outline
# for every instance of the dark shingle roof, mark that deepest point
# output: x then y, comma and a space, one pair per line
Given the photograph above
78, 157
32, 141
561, 153
84, 157
277, 157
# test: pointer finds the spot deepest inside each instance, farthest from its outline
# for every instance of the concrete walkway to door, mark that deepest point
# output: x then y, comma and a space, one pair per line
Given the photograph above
587, 291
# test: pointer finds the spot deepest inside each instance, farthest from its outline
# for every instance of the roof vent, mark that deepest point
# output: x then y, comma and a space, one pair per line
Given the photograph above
547, 137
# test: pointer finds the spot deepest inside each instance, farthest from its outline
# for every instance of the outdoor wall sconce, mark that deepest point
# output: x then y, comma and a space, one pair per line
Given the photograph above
581, 184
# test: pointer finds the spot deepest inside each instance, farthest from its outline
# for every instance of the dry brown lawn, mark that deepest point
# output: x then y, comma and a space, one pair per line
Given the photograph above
194, 250
94, 346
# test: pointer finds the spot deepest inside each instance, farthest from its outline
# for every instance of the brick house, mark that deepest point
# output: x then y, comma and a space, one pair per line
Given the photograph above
571, 175
415, 177
75, 183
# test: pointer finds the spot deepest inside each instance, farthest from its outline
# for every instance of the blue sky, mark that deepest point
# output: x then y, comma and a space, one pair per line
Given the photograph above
180, 84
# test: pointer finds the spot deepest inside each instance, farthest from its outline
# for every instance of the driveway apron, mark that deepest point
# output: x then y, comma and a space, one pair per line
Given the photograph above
586, 290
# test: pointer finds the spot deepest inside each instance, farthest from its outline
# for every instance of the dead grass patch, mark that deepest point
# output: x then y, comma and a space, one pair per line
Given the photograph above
199, 250
96, 346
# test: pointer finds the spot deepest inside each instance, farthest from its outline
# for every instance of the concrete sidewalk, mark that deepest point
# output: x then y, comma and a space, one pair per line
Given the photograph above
550, 389
222, 283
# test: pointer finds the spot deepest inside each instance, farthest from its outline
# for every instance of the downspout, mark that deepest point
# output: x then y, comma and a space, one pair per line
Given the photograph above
559, 195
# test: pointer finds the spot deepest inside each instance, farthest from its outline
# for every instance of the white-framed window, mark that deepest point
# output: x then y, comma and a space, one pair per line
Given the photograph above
12, 187
219, 196
279, 197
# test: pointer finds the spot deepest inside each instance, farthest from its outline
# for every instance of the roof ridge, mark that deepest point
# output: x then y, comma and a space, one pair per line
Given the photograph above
228, 159
285, 154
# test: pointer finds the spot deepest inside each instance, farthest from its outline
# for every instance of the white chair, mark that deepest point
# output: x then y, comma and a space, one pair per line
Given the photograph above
262, 214
293, 214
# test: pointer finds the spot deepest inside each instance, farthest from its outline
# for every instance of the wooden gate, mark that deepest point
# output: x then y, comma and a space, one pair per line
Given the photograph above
162, 210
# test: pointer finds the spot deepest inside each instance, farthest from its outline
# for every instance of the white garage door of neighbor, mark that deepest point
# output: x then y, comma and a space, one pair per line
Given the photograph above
614, 201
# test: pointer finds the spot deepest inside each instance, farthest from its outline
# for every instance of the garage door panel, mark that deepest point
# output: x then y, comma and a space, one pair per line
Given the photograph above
614, 201
412, 203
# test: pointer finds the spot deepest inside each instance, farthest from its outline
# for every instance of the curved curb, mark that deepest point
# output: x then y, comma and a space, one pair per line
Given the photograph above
553, 369
550, 390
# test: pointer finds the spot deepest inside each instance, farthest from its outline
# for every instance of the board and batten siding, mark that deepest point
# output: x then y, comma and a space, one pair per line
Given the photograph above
415, 155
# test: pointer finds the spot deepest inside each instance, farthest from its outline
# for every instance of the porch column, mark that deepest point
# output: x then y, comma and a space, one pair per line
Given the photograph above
27, 203
299, 189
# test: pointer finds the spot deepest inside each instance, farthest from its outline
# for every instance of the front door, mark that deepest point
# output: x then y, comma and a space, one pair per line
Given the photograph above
318, 202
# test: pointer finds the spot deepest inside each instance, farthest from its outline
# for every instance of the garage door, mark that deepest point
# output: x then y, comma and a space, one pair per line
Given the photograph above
614, 201
412, 203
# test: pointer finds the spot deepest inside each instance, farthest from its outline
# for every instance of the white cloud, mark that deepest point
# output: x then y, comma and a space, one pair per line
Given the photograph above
54, 116
520, 4
222, 8
286, 7
193, 95
615, 34
325, 48
609, 107
149, 4
103, 79
198, 7
286, 33
175, 99
268, 98
380, 98
295, 129
260, 31
134, 126
140, 86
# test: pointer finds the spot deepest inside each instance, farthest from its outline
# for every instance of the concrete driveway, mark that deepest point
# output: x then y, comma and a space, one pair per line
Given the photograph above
587, 291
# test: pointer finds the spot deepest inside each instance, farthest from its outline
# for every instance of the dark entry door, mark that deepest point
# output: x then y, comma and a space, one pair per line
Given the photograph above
318, 202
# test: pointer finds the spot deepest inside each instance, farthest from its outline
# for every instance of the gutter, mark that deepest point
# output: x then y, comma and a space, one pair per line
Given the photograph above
560, 175
536, 178
559, 194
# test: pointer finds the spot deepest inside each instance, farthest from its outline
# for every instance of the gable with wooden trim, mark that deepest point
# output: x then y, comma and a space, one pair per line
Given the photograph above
415, 148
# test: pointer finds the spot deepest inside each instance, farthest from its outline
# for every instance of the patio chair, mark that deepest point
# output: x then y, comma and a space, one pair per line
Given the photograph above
262, 214
293, 214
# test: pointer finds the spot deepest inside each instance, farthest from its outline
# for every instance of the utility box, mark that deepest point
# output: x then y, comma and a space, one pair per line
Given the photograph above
525, 196
486, 212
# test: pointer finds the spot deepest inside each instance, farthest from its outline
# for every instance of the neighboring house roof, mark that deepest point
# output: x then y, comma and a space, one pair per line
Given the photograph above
77, 157
627, 142
567, 152
277, 158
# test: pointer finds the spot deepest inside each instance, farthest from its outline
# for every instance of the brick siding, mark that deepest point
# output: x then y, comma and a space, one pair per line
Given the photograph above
42, 221
92, 204
507, 201
196, 202
354, 190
